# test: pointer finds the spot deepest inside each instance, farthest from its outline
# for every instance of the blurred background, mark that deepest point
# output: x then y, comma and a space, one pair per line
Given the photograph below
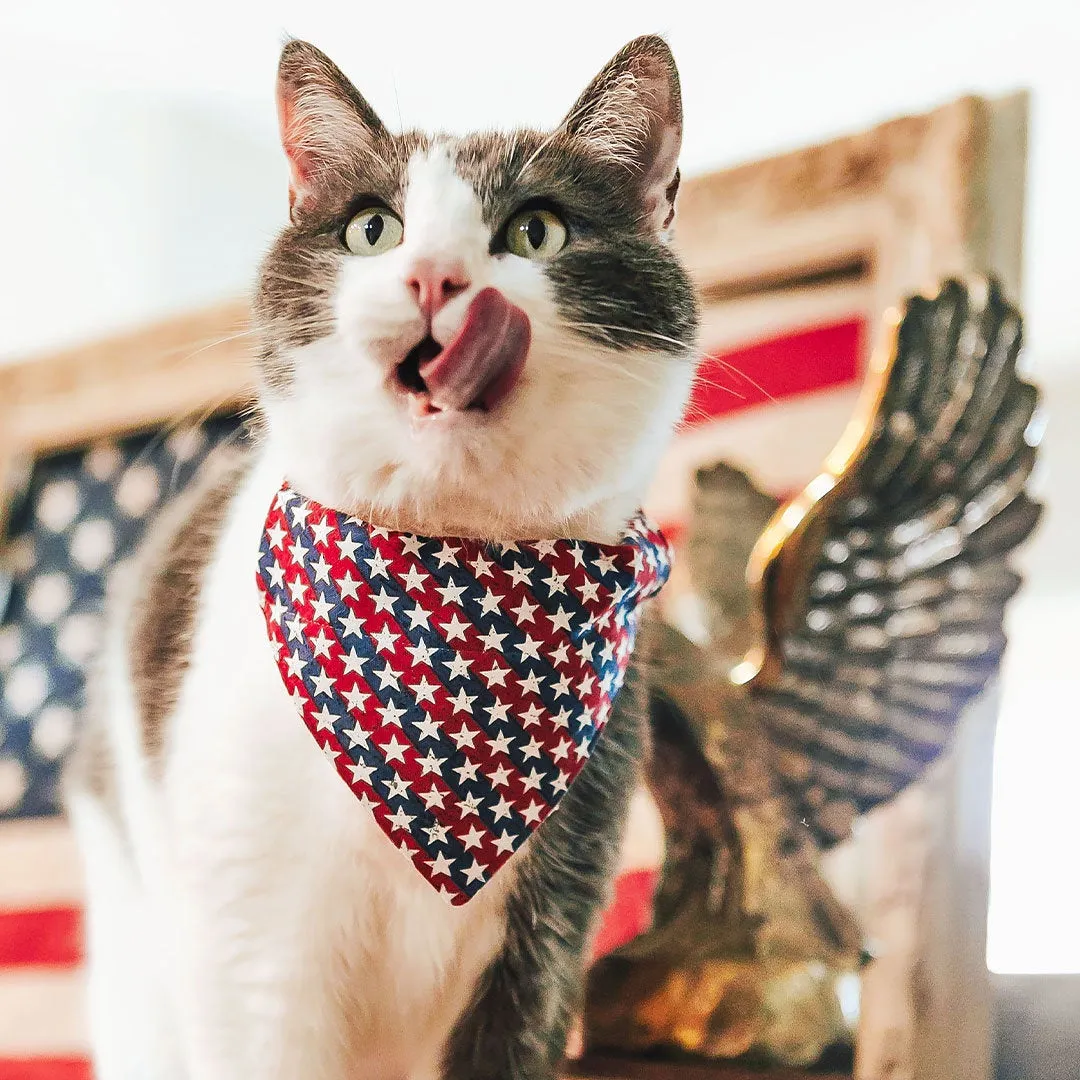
141, 177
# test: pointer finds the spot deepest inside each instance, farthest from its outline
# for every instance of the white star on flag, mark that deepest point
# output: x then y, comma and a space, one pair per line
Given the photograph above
455, 628
277, 574
411, 544
433, 797
502, 809
463, 737
431, 763
533, 812
496, 676
520, 575
530, 648
524, 611
532, 750
500, 777
466, 772
413, 579
533, 781
377, 565
474, 872
447, 554
458, 666
463, 702
325, 719
450, 592
355, 697
545, 547
504, 844
559, 752
385, 640
276, 534
320, 643
329, 753
470, 805
489, 602
357, 736
353, 662
532, 715
391, 714
481, 568
347, 546
384, 601
323, 684
604, 563
298, 551
349, 585
589, 590
561, 619
397, 788
418, 617
531, 683
322, 570
424, 690
440, 865
428, 728
400, 820
351, 625
421, 653
297, 589
321, 530
436, 833
472, 838
500, 744
556, 583
492, 640
296, 665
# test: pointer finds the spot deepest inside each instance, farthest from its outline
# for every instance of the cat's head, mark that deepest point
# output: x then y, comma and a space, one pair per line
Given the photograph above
486, 335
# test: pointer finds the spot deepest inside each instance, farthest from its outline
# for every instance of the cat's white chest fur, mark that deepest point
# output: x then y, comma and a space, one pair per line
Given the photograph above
334, 948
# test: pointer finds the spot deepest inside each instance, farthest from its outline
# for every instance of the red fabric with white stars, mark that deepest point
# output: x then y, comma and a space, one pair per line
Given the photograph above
458, 686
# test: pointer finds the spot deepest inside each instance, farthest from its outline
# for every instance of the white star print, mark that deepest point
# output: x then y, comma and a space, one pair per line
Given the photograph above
348, 585
325, 719
463, 702
562, 686
447, 554
436, 833
578, 555
489, 602
531, 683
284, 497
385, 640
496, 676
492, 640
472, 838
532, 750
561, 619
431, 763
475, 872
559, 752
451, 593
391, 714
605, 563
297, 589
413, 579
397, 788
323, 684
296, 626
394, 750
481, 567
500, 744
440, 865
463, 737
532, 715
589, 590
556, 583
330, 753
559, 784
529, 648
582, 751
298, 552
418, 617
351, 625
347, 546
377, 565
561, 655
455, 628
383, 601
421, 652
532, 812
322, 570
458, 666
276, 534
299, 701
277, 574
433, 797
505, 843
360, 771
466, 772
428, 728
524, 611
470, 805
355, 697
585, 649
586, 685
520, 575
295, 665
533, 781
400, 820
498, 711
353, 662
411, 544
545, 547
500, 777
321, 530
300, 512
379, 530
320, 644
424, 690
357, 736
502, 809
607, 653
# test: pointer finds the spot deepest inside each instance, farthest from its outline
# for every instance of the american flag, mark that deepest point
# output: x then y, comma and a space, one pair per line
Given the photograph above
774, 406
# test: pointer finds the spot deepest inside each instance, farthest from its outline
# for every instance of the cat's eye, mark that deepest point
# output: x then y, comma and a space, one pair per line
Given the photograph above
373, 232
535, 234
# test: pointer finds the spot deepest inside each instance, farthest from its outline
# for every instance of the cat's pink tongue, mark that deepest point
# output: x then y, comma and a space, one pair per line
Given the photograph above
482, 364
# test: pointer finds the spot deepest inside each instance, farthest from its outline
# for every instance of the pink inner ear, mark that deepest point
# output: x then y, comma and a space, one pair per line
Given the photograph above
301, 167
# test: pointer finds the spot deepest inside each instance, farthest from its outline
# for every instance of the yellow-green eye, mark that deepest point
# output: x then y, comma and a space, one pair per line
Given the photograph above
373, 232
535, 234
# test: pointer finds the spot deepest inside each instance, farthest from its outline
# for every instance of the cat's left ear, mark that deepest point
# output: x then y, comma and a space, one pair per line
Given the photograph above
632, 113
324, 121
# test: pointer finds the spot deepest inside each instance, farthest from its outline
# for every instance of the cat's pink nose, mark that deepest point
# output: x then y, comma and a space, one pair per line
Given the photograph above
435, 282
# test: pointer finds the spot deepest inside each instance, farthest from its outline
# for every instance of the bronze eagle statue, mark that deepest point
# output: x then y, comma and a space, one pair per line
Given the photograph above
833, 674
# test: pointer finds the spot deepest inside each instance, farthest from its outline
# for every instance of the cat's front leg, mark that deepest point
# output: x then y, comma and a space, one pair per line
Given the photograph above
519, 1024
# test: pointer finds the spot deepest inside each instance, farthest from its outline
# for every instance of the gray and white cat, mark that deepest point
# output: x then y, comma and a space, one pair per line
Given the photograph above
246, 917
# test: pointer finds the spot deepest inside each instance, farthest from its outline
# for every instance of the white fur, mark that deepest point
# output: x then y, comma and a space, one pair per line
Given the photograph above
253, 922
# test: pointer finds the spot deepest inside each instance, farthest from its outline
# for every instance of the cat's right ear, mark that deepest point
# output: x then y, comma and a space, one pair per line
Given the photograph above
323, 119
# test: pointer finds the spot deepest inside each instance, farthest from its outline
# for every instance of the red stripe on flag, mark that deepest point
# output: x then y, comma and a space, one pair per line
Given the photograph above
50, 937
45, 1069
630, 912
785, 366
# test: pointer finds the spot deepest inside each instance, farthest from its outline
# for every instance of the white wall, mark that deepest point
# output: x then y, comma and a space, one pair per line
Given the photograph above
139, 175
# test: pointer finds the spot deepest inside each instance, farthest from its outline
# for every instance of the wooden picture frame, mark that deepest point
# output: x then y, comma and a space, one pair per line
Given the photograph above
848, 227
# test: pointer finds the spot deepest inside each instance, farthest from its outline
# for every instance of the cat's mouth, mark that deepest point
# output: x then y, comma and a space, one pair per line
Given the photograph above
477, 370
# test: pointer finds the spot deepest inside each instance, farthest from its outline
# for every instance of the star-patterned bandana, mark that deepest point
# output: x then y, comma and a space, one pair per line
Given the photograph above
458, 686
